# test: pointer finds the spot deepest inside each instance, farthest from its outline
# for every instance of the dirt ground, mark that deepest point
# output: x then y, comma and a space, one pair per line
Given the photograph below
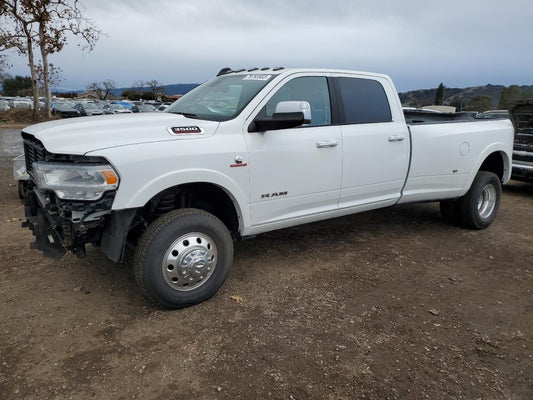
389, 304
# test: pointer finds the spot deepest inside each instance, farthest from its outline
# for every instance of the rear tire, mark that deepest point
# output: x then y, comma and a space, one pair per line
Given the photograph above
183, 258
479, 206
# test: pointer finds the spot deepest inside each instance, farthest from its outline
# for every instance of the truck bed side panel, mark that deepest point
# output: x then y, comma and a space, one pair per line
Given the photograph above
446, 157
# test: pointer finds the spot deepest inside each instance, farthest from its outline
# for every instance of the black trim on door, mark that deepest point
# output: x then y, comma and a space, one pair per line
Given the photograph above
337, 112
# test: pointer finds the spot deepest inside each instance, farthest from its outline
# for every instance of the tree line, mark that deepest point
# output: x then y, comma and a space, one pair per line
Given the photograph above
149, 90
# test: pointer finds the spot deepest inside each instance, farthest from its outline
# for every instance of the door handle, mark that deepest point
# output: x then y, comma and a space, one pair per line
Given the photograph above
327, 143
396, 138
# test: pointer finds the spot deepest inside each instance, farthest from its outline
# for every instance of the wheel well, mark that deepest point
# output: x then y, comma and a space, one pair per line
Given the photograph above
494, 163
204, 196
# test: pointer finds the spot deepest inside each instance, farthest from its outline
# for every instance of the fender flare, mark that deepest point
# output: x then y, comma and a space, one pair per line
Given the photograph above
500, 148
145, 193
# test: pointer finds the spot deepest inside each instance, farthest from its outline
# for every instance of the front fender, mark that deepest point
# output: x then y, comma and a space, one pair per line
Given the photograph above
135, 197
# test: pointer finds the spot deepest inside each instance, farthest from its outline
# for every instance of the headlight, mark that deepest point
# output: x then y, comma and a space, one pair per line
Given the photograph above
76, 181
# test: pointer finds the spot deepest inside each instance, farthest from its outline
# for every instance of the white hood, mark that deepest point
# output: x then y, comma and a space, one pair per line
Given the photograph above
82, 135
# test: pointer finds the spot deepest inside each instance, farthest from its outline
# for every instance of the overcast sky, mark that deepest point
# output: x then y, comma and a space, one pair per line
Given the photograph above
419, 43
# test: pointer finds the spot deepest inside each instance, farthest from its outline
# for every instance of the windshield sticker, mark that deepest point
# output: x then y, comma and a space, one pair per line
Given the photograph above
256, 77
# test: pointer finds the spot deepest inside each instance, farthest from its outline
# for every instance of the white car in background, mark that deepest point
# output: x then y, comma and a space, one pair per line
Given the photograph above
4, 105
118, 109
22, 104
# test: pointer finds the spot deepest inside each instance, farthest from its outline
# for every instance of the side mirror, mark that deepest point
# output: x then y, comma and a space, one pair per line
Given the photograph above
288, 114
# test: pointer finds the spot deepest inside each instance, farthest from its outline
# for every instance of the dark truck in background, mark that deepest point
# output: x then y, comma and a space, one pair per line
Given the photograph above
522, 117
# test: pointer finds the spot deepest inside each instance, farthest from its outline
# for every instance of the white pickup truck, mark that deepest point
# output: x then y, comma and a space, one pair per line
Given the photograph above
248, 152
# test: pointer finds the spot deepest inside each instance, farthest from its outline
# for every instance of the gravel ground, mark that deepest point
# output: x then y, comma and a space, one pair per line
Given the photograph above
389, 304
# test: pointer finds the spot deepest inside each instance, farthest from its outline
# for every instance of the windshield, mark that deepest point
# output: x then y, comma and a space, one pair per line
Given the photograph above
222, 98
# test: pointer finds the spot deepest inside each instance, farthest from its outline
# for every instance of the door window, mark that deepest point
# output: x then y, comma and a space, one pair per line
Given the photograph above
312, 89
364, 101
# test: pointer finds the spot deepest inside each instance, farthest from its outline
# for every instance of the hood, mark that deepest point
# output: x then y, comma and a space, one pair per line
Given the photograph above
82, 135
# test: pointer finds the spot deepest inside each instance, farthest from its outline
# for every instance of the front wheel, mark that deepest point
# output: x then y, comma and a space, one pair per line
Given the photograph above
479, 206
183, 258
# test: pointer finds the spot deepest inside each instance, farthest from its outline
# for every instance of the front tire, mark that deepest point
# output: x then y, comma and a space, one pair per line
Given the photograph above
479, 206
183, 258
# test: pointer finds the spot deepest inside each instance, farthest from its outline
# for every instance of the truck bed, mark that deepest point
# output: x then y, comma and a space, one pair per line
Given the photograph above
419, 117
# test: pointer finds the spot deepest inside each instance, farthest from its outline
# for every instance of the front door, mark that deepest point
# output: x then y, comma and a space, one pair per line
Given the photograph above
296, 172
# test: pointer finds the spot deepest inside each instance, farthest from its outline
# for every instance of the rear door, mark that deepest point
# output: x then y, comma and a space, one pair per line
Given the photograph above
375, 142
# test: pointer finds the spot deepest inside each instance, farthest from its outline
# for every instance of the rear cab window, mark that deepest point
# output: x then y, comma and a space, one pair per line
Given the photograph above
363, 101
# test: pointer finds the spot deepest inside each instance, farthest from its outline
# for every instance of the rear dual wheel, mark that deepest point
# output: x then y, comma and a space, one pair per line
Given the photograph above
478, 208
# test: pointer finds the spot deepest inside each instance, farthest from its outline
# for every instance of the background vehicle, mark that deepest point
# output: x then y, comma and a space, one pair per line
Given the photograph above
21, 104
246, 153
4, 105
522, 117
146, 108
88, 109
64, 110
117, 109
106, 109
126, 104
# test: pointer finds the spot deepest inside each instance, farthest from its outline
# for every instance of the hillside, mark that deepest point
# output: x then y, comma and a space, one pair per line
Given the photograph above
176, 88
454, 96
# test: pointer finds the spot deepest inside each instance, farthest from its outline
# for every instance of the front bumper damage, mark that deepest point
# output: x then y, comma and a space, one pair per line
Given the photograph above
60, 226
68, 225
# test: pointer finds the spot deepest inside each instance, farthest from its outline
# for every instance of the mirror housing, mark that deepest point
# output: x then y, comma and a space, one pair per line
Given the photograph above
288, 114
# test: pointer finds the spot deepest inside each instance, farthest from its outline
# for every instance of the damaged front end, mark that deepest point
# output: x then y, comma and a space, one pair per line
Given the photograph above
68, 199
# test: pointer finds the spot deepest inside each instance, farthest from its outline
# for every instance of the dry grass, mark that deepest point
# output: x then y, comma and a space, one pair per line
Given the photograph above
21, 116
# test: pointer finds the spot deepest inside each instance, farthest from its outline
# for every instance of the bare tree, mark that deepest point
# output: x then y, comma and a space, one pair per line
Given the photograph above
137, 87
108, 86
54, 75
17, 32
102, 89
56, 19
156, 89
2, 66
3, 59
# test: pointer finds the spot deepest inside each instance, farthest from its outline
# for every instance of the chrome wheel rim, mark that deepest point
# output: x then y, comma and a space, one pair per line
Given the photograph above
189, 262
487, 201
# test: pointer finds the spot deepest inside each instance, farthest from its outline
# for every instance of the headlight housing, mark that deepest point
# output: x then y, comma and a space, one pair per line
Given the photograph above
76, 181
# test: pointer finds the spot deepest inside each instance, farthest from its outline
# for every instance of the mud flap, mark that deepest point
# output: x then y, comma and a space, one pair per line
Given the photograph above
114, 237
